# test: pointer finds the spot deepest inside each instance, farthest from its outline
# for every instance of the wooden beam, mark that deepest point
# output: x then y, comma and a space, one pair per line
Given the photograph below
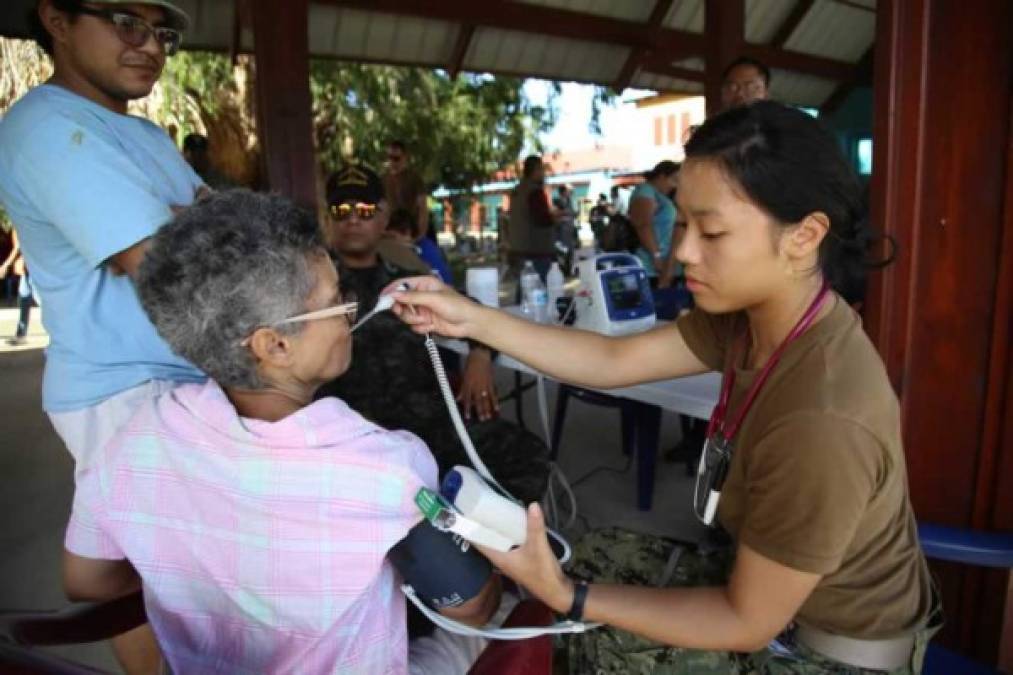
938, 181
856, 5
464, 35
830, 69
281, 49
724, 25
863, 76
791, 22
658, 14
237, 26
664, 67
527, 18
240, 20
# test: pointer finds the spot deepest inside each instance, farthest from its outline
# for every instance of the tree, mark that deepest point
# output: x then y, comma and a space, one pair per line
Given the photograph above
206, 93
23, 65
459, 130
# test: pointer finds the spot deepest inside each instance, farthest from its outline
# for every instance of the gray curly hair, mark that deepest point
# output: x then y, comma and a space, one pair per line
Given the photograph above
223, 267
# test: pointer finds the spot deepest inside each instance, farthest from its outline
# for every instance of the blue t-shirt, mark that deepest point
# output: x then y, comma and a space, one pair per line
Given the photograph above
82, 183
663, 224
431, 254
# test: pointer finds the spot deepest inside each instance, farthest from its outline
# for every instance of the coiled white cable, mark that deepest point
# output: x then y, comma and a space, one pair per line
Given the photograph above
515, 633
469, 447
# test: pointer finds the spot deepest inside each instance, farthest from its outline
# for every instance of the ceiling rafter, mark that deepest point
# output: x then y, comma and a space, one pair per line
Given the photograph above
863, 75
665, 45
819, 66
637, 54
464, 36
665, 67
526, 18
791, 22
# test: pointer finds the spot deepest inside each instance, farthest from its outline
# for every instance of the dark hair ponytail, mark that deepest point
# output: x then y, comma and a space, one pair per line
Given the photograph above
665, 167
790, 166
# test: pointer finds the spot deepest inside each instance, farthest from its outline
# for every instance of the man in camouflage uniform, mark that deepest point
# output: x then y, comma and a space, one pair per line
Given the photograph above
391, 379
621, 557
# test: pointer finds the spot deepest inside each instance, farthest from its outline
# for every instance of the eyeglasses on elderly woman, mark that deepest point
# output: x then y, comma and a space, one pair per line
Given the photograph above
348, 308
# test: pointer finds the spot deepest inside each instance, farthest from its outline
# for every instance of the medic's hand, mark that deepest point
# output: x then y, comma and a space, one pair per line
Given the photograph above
478, 387
534, 565
433, 307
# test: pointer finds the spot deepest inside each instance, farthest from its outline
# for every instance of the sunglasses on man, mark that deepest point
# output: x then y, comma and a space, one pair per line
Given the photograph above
344, 211
135, 31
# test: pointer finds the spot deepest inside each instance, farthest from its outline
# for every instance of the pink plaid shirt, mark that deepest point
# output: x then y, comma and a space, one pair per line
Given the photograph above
261, 546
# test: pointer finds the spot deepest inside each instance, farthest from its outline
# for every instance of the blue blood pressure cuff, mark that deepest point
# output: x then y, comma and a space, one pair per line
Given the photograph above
444, 569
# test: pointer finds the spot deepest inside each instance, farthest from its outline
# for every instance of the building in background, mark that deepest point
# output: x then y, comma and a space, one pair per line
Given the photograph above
662, 125
659, 127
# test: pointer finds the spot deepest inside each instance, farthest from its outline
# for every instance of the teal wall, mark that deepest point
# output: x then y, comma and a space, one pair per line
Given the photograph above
852, 122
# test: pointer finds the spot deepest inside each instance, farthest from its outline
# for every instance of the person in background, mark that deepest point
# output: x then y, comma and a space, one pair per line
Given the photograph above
566, 218
744, 80
599, 216
264, 526
531, 220
406, 191
86, 186
404, 187
400, 235
652, 214
391, 380
26, 294
197, 154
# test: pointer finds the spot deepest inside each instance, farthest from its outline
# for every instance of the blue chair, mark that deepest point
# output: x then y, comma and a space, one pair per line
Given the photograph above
952, 544
640, 424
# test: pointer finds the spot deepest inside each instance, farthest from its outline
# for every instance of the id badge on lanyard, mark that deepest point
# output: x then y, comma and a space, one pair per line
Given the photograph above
710, 476
716, 457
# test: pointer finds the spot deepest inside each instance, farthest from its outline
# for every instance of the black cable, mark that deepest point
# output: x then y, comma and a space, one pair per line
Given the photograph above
611, 469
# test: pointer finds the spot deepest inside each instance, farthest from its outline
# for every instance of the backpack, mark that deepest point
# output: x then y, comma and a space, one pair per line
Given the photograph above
619, 235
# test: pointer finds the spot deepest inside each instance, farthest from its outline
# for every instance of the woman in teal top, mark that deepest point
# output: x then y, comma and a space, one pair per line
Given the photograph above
653, 215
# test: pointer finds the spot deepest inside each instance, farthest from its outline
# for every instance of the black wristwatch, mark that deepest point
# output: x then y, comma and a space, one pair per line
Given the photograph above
576, 612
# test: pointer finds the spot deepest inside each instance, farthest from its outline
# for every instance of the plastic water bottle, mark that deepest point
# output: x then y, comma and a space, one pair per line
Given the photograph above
534, 300
554, 283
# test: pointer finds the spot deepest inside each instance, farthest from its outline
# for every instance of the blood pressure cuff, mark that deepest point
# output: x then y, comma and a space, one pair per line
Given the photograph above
444, 569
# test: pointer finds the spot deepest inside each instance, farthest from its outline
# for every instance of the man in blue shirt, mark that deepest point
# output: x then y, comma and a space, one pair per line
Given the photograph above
86, 185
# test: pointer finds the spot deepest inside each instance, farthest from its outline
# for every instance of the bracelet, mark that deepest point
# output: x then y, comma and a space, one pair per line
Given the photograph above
576, 612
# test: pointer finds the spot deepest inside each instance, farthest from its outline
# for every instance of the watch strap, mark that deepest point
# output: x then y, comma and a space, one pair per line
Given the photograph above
576, 612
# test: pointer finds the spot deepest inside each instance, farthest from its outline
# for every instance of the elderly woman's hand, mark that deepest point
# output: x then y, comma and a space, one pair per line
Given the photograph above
534, 566
433, 307
478, 386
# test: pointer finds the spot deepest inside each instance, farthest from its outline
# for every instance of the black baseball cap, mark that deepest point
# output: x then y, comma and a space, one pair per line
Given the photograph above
354, 183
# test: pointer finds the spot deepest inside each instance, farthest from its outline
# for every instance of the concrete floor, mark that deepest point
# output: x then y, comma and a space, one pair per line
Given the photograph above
36, 484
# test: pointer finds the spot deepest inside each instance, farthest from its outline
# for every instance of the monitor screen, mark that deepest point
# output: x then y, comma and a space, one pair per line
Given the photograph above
624, 291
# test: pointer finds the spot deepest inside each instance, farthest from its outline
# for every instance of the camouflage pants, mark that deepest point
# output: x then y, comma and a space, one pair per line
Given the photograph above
618, 556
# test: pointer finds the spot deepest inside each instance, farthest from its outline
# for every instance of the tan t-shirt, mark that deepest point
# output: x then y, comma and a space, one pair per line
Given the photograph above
818, 480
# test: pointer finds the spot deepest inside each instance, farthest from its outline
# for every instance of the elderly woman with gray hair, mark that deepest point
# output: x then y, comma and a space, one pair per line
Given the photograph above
261, 524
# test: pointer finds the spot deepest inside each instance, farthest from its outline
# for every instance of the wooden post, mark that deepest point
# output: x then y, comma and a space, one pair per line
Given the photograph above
724, 26
941, 141
281, 49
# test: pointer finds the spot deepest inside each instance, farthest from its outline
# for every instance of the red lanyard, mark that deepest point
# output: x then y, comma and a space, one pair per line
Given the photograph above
717, 421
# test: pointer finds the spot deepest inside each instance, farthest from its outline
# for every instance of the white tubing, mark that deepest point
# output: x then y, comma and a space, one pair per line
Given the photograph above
469, 447
518, 633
